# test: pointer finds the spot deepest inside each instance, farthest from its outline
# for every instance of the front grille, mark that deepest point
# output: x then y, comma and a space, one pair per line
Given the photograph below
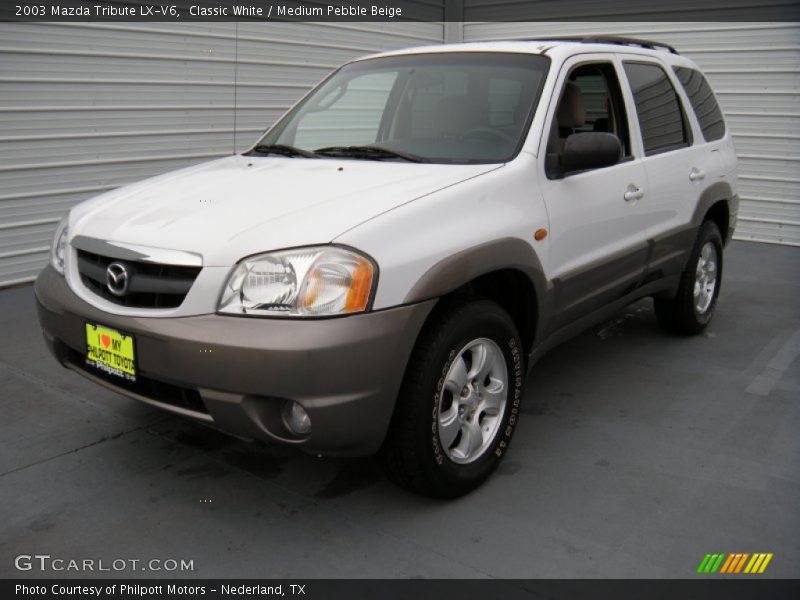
153, 389
149, 285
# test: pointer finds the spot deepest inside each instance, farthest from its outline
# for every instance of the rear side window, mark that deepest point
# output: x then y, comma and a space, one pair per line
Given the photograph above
661, 119
703, 102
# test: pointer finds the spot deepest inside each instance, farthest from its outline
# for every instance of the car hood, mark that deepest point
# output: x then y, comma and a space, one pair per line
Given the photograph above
236, 206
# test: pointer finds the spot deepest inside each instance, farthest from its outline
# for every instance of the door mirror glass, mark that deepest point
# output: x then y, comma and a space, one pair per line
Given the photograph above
590, 150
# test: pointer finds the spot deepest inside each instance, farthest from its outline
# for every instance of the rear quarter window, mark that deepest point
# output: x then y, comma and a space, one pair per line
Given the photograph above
703, 102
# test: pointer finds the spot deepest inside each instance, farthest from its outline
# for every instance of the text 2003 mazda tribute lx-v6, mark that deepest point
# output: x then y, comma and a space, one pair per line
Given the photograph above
378, 273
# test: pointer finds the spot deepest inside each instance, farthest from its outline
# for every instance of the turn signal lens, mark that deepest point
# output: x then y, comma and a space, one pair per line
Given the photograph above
358, 296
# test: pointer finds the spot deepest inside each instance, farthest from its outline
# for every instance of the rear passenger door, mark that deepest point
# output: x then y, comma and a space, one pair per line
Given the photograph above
677, 169
597, 230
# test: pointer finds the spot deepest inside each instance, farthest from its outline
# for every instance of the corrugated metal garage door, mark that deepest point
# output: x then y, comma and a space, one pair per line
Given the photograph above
755, 71
86, 107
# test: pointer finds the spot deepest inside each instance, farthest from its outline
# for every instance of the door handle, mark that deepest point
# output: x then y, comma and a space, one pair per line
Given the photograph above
633, 193
696, 174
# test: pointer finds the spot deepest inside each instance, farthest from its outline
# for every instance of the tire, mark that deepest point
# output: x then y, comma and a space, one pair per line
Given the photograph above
423, 452
688, 313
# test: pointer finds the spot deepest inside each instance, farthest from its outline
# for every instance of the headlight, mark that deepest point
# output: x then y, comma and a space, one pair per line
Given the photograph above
58, 252
318, 281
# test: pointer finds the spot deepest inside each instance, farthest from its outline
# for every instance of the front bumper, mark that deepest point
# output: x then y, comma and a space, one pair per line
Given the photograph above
234, 372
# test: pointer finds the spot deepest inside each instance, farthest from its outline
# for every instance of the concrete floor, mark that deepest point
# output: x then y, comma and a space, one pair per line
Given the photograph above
638, 453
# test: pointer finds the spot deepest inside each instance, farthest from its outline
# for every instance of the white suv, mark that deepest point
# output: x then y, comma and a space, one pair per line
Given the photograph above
379, 272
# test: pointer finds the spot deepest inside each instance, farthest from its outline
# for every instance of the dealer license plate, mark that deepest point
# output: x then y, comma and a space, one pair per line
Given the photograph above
110, 351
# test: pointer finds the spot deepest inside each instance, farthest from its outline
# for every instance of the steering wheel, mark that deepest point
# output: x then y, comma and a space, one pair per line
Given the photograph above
482, 131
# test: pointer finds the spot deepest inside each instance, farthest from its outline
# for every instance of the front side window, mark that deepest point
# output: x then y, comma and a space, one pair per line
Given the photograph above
703, 102
447, 108
658, 107
590, 101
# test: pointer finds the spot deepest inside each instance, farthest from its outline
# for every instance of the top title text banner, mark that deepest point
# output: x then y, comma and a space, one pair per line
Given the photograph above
399, 10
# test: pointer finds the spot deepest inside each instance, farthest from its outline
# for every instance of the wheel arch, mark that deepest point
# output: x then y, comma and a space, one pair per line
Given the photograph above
715, 204
720, 214
506, 271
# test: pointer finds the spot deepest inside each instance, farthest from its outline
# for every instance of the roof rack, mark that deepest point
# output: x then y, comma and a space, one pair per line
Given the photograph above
606, 39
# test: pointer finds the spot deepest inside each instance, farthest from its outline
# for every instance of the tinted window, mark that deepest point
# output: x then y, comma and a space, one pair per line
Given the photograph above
703, 102
658, 108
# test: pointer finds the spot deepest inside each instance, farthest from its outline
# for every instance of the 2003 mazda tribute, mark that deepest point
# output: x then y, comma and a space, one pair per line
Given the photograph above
378, 273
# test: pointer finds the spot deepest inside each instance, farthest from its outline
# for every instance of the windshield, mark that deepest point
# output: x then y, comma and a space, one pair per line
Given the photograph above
447, 108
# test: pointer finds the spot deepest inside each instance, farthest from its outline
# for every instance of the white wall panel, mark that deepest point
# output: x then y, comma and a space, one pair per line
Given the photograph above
86, 107
755, 71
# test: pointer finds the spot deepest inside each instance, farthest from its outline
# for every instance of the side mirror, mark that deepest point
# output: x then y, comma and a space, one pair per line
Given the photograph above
590, 150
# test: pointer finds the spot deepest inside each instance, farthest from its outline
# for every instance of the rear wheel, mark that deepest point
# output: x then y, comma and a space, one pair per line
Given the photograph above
459, 402
690, 311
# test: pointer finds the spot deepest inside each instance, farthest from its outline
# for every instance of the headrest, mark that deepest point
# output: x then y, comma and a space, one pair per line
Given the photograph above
571, 111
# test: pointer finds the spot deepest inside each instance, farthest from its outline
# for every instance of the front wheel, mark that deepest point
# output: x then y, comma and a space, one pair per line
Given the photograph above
690, 311
459, 402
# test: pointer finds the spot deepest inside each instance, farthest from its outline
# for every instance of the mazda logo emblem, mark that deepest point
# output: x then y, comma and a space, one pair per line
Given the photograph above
117, 279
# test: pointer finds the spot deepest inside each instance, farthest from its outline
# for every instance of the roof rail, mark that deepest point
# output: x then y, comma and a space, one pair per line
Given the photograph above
605, 39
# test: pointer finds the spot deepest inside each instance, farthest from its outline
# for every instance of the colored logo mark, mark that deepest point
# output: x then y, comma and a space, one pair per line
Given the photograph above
737, 562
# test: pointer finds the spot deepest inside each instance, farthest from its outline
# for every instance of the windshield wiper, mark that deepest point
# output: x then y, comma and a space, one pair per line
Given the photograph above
368, 152
281, 149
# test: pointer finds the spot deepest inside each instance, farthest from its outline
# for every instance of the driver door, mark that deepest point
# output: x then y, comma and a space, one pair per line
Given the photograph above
597, 236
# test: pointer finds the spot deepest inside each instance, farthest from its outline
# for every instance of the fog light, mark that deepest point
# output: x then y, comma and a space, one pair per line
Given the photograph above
296, 418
